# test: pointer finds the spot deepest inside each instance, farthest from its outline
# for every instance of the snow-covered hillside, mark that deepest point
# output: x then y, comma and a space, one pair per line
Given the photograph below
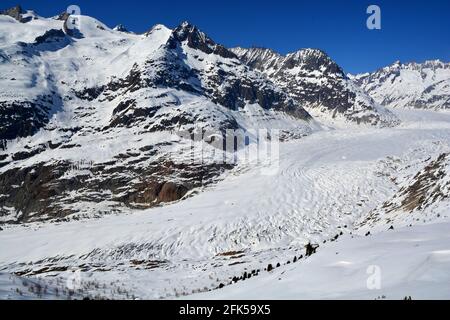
89, 120
399, 264
326, 187
105, 194
413, 85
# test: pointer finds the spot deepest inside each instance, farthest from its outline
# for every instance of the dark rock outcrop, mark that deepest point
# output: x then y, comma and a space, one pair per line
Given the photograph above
427, 187
121, 28
196, 39
22, 118
44, 191
50, 36
14, 12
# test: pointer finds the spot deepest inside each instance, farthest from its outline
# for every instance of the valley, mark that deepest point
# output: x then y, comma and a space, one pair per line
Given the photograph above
104, 193
327, 183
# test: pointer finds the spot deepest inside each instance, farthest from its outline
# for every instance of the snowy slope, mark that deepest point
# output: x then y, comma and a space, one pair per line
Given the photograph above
414, 85
327, 183
410, 262
93, 125
89, 119
426, 191
313, 79
13, 287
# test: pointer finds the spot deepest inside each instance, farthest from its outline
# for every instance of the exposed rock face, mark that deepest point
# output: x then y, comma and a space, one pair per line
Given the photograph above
171, 191
226, 82
415, 85
63, 16
103, 131
121, 28
23, 118
56, 190
49, 36
196, 39
315, 81
15, 12
429, 186
420, 197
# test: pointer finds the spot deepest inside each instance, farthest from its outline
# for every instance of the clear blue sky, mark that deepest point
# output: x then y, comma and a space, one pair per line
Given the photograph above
411, 30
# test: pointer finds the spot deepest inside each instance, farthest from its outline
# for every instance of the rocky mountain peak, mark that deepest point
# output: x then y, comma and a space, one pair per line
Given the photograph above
14, 12
313, 59
428, 64
121, 28
418, 66
63, 16
268, 60
187, 31
412, 84
258, 57
314, 80
309, 53
196, 39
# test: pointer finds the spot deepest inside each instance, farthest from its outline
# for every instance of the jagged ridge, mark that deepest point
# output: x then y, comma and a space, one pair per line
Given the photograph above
416, 85
315, 81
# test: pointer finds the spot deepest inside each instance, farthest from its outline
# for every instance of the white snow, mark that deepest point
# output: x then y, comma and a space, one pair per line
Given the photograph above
411, 262
326, 183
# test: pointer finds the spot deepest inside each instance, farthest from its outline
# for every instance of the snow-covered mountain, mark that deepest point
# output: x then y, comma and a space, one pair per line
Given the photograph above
315, 81
107, 103
95, 120
412, 85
